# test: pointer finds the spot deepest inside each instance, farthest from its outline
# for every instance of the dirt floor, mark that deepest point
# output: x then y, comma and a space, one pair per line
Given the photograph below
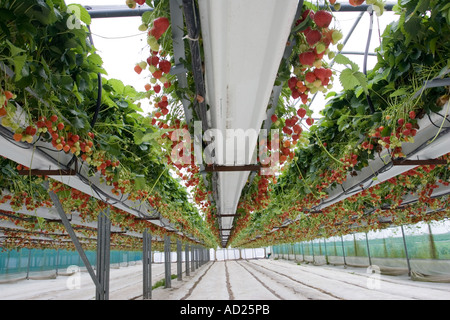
261, 279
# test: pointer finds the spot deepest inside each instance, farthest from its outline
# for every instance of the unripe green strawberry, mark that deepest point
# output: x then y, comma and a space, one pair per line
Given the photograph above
320, 47
143, 27
336, 36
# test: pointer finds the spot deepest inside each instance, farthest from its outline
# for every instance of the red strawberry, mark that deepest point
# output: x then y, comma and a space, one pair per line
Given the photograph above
138, 69
310, 77
292, 82
274, 118
140, 2
306, 13
320, 73
165, 66
161, 24
295, 94
157, 88
356, 3
153, 60
301, 112
313, 37
309, 121
307, 58
157, 74
322, 18
412, 114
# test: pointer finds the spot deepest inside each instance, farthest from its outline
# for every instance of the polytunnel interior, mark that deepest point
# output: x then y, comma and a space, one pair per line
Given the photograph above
205, 150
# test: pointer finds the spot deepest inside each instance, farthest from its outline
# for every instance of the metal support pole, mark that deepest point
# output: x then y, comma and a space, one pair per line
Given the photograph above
186, 257
147, 265
368, 250
196, 257
406, 251
167, 262
28, 264
193, 258
179, 262
303, 251
343, 251
103, 254
57, 261
74, 238
326, 251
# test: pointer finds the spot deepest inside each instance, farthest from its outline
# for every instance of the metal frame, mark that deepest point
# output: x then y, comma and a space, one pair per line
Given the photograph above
103, 253
75, 240
167, 262
147, 265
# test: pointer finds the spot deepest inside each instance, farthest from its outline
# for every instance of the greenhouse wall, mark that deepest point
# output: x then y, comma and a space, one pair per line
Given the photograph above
48, 263
422, 250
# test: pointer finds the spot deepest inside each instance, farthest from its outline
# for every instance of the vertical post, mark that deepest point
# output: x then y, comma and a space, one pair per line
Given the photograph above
147, 265
406, 251
303, 251
196, 257
343, 251
326, 251
368, 250
186, 257
167, 262
179, 262
103, 254
193, 258
57, 261
28, 264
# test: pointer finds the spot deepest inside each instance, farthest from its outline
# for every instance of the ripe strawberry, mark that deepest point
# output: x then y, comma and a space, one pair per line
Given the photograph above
356, 3
157, 74
313, 37
301, 112
153, 60
306, 13
309, 121
310, 77
165, 66
8, 95
322, 18
274, 118
292, 82
307, 58
160, 25
157, 88
17, 137
138, 69
412, 114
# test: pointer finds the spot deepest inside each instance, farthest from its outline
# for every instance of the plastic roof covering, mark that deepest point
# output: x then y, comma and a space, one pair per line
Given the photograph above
228, 64
243, 42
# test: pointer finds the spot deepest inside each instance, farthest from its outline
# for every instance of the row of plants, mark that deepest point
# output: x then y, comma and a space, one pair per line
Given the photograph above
373, 114
53, 78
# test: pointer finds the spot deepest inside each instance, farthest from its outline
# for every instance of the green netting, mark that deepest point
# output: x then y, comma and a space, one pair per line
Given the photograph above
36, 263
421, 250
